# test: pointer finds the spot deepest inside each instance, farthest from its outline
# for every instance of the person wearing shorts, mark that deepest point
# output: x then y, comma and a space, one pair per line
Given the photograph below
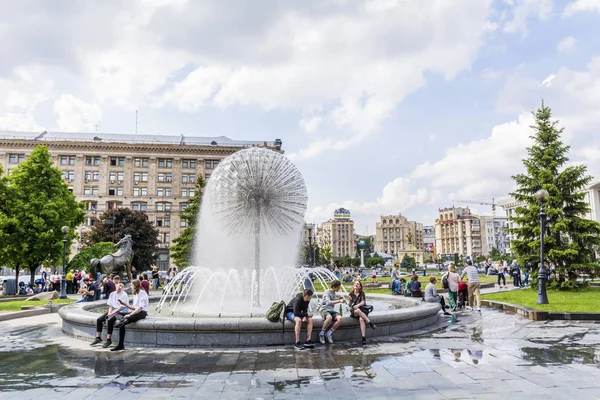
474, 285
297, 312
327, 311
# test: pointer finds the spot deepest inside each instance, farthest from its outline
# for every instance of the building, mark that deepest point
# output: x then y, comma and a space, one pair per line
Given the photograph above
429, 242
397, 236
494, 234
457, 231
153, 174
338, 233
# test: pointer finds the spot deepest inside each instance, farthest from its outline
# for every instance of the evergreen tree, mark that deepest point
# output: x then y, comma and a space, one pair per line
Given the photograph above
408, 263
182, 250
570, 237
39, 205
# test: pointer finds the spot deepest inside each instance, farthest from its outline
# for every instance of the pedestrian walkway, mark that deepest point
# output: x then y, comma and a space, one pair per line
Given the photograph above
487, 355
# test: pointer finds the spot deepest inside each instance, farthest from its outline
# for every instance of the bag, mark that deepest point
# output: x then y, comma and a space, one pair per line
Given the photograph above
275, 312
366, 309
445, 282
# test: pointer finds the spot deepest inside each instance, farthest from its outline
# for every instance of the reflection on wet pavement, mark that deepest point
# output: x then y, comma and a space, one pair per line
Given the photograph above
488, 355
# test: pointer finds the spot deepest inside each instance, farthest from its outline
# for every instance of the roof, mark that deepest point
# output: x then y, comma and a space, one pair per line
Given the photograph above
134, 138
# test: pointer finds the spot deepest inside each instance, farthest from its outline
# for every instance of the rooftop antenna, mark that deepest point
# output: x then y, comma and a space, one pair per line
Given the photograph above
136, 121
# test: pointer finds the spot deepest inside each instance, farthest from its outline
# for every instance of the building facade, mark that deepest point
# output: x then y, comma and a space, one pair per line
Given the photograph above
429, 242
495, 234
338, 233
457, 231
153, 174
397, 236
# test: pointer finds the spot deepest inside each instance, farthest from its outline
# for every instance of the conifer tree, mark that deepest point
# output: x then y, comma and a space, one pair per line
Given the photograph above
182, 252
570, 237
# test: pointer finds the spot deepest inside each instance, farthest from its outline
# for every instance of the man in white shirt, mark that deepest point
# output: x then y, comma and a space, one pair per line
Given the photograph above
474, 285
114, 312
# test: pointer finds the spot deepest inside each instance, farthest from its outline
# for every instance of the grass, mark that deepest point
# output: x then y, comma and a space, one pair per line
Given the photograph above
16, 305
583, 301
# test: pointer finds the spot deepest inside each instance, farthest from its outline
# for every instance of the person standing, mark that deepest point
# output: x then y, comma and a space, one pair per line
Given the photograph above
69, 279
115, 306
330, 316
501, 276
140, 311
474, 287
453, 280
297, 312
155, 278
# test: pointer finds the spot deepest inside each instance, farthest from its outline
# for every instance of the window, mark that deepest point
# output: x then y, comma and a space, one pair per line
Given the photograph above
139, 206
165, 177
188, 178
208, 164
165, 237
92, 160
163, 206
187, 163
92, 205
183, 206
163, 221
90, 191
67, 160
188, 192
117, 161
140, 162
163, 192
16, 158
165, 162
68, 175
116, 176
206, 176
112, 191
140, 177
183, 223
137, 191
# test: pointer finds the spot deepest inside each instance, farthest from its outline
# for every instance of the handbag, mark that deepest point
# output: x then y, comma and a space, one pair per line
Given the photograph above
366, 309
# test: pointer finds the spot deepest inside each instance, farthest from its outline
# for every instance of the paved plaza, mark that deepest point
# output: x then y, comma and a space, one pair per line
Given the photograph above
492, 355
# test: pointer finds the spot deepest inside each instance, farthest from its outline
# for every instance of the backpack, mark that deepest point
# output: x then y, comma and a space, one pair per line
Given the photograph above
275, 312
445, 282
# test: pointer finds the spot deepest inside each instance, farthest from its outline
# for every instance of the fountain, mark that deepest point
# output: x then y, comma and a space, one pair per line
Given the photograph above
245, 254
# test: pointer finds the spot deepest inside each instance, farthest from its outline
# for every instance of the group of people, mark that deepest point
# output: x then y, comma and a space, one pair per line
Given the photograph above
330, 309
519, 274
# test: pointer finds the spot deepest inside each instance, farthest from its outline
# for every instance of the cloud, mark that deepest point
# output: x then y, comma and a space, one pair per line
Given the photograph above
581, 6
74, 115
566, 45
548, 81
19, 122
523, 11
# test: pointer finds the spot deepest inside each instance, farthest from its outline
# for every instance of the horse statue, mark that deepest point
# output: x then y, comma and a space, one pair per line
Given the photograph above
116, 261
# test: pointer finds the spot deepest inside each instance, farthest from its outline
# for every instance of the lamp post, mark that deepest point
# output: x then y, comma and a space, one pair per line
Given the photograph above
63, 281
542, 195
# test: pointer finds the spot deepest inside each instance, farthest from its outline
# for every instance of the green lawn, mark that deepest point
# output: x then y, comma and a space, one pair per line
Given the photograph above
584, 301
16, 305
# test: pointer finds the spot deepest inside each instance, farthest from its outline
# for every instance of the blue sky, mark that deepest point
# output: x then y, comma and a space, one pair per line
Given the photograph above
386, 106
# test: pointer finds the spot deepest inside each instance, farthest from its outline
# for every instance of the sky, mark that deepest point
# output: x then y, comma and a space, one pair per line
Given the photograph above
385, 106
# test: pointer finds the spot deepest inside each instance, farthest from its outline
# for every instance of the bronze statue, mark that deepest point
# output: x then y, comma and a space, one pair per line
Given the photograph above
115, 262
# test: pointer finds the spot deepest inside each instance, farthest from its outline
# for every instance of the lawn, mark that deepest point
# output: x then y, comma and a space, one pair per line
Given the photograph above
16, 305
583, 301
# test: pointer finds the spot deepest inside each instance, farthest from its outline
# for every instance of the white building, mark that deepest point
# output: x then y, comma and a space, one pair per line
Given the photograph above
494, 234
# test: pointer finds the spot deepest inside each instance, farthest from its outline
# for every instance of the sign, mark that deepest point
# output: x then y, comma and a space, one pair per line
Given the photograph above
429, 247
342, 213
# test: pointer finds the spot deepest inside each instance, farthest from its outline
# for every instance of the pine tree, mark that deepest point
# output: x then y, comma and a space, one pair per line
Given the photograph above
570, 237
182, 251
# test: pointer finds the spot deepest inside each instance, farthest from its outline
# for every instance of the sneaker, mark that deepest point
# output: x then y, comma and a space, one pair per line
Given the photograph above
364, 341
329, 337
96, 341
308, 344
298, 346
322, 339
107, 344
478, 309
372, 325
118, 348
454, 308
446, 313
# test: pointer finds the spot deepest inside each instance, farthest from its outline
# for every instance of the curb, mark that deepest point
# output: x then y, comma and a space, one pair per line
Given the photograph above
41, 310
540, 315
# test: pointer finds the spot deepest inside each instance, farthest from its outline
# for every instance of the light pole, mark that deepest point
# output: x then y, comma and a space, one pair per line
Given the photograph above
63, 281
542, 195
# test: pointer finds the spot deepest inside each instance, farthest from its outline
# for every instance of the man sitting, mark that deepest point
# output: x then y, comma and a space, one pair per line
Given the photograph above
88, 293
297, 312
115, 311
328, 311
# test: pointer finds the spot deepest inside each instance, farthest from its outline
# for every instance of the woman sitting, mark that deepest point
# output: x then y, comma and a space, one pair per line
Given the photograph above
359, 309
431, 295
140, 311
415, 287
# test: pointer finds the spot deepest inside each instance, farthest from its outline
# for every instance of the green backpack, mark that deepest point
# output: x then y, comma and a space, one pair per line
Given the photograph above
275, 312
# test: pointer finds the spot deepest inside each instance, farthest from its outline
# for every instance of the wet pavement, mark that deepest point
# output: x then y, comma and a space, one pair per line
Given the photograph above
492, 355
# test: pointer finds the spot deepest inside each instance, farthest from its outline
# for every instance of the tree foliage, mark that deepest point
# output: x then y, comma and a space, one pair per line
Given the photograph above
81, 261
325, 255
182, 251
39, 204
374, 261
408, 263
127, 222
570, 237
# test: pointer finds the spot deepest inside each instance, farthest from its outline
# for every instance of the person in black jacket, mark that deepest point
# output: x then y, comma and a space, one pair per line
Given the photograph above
297, 312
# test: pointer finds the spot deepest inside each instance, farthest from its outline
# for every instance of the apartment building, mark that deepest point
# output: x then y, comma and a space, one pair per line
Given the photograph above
153, 174
397, 236
458, 231
494, 234
339, 234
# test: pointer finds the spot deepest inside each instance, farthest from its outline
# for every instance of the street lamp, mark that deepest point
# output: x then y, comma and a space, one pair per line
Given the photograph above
542, 195
63, 281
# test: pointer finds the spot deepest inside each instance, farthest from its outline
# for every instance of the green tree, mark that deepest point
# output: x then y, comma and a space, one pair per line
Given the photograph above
82, 259
325, 255
457, 260
374, 261
40, 203
355, 261
480, 259
127, 222
182, 252
408, 263
570, 237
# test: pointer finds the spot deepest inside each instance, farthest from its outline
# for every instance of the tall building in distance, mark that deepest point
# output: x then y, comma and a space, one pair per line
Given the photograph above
338, 233
457, 231
153, 174
494, 234
397, 236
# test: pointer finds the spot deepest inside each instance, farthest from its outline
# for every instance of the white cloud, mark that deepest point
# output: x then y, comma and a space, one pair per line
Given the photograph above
548, 81
566, 45
74, 115
523, 11
19, 122
581, 6
311, 124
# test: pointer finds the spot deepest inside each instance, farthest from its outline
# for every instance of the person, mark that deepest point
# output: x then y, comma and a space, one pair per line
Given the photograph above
69, 279
37, 289
29, 290
88, 293
453, 280
474, 287
297, 312
155, 278
327, 311
114, 313
134, 273
526, 273
501, 276
431, 295
407, 287
415, 287
109, 286
145, 283
140, 311
396, 273
374, 275
357, 302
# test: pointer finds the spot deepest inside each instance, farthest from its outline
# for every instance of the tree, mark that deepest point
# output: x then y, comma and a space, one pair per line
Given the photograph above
82, 259
570, 237
408, 263
457, 260
325, 254
127, 222
480, 259
39, 205
374, 261
182, 251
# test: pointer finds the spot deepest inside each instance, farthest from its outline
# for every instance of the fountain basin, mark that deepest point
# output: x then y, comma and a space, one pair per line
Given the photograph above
79, 320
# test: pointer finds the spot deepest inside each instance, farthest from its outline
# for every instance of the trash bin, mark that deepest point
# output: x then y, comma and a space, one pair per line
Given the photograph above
10, 286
